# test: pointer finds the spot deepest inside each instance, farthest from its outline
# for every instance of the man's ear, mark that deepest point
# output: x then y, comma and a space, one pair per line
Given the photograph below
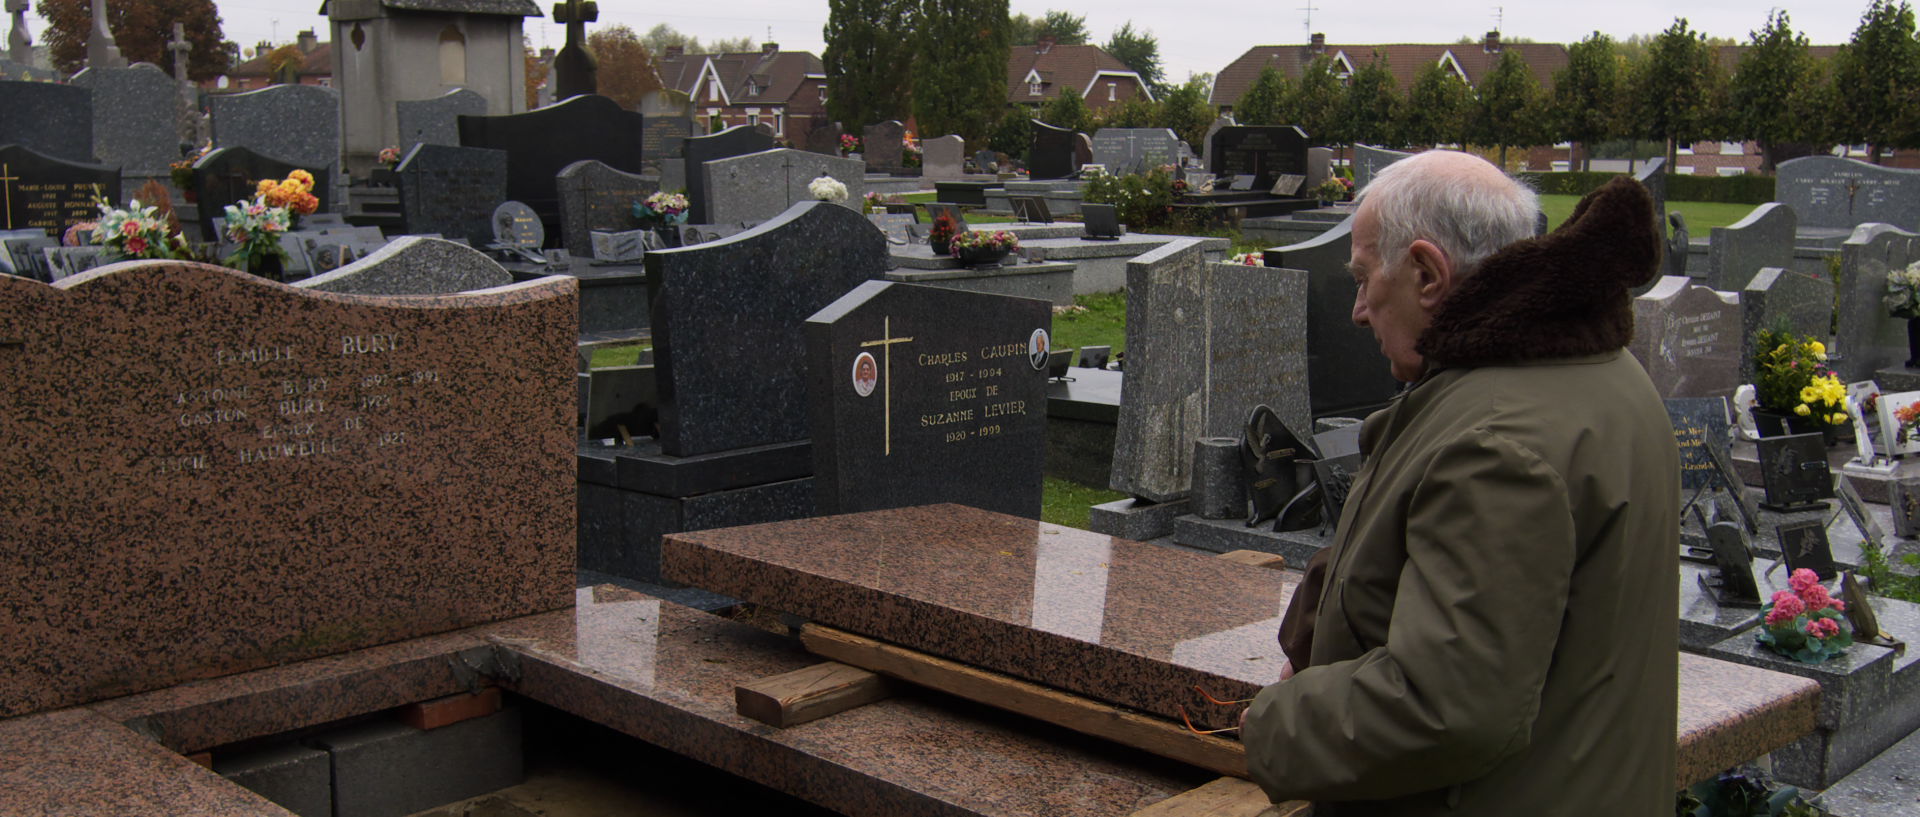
1434, 271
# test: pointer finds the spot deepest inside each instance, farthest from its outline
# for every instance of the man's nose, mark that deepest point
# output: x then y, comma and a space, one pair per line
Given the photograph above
1359, 311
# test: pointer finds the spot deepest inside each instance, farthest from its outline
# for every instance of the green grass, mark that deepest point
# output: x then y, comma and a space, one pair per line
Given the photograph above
1701, 215
605, 356
1102, 321
974, 217
1063, 502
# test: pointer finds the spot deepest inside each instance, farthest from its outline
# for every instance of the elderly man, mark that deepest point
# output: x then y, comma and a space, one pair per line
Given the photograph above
1495, 632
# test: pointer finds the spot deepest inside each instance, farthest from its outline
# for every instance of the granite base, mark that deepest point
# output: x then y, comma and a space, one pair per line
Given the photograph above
296, 778
389, 769
1224, 535
613, 298
1860, 714
1046, 281
1135, 519
1887, 786
631, 547
1705, 622
1897, 379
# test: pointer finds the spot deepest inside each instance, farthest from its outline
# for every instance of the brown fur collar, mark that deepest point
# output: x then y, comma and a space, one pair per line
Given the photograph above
1563, 294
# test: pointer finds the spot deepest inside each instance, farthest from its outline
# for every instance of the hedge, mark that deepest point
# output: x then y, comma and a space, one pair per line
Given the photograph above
1748, 189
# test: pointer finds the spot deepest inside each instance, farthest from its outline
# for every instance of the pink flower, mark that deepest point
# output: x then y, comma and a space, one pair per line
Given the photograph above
1786, 607
129, 227
1823, 628
1816, 598
136, 244
1802, 579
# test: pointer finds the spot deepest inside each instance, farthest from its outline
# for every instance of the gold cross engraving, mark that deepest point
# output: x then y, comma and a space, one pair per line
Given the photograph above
886, 342
6, 177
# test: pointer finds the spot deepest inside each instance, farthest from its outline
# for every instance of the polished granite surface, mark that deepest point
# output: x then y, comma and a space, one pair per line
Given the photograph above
1121, 621
1730, 714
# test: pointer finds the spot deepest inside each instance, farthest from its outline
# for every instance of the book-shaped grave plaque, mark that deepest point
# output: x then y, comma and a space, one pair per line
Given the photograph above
1694, 420
1731, 583
1730, 479
1898, 439
1862, 520
1288, 184
1794, 472
1804, 545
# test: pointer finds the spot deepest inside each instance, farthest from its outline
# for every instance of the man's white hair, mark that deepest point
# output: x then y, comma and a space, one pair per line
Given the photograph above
1469, 215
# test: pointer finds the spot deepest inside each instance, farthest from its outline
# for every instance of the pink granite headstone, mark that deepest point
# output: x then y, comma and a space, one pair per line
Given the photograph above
206, 472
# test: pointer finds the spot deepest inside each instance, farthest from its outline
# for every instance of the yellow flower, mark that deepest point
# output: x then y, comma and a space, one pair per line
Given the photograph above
1802, 410
1819, 350
303, 179
1837, 418
1809, 394
264, 186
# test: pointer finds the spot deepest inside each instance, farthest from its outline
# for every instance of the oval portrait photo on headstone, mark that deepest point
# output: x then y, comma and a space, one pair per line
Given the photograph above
865, 374
1038, 349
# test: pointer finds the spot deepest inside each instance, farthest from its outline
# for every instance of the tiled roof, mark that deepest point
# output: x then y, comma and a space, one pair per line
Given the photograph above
1729, 55
1403, 59
773, 77
1061, 66
515, 8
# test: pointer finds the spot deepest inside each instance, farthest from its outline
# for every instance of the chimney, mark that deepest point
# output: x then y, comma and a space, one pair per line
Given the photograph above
1044, 45
546, 55
1319, 45
675, 52
308, 41
769, 49
1493, 42
263, 49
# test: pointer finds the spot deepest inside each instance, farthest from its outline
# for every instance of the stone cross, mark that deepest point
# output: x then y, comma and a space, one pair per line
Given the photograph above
19, 43
186, 118
574, 70
101, 50
180, 48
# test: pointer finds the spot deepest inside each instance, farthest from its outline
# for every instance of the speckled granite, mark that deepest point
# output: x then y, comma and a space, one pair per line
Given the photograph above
1112, 619
665, 674
209, 472
75, 762
1730, 714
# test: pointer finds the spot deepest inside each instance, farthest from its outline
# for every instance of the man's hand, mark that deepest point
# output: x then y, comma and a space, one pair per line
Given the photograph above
1286, 671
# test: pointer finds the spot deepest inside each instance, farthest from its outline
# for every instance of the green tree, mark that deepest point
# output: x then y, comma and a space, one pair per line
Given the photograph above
1761, 90
1875, 76
1507, 108
960, 71
1371, 106
1673, 90
867, 42
1139, 51
141, 29
1068, 111
1138, 112
1315, 103
1584, 94
1436, 109
662, 36
1265, 102
1185, 111
1065, 28
1014, 135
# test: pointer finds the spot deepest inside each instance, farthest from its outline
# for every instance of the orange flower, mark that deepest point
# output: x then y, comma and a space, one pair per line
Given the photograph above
264, 187
304, 179
306, 204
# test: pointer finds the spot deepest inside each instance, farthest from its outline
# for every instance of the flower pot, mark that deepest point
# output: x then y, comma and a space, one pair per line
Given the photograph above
1770, 423
979, 257
941, 247
1913, 343
269, 268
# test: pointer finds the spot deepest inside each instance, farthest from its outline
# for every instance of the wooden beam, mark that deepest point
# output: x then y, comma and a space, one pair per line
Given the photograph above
1226, 797
809, 693
1150, 734
1256, 558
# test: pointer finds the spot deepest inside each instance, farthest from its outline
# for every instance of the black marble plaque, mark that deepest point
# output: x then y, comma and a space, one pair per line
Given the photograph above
228, 175
541, 142
1794, 471
1051, 154
921, 394
1102, 220
1265, 152
1804, 544
739, 140
1856, 508
1729, 479
1732, 583
451, 190
515, 224
1694, 418
40, 192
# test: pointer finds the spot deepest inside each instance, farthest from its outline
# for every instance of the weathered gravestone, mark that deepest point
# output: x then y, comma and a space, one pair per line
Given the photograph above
824, 139
1051, 153
1804, 302
436, 121
739, 140
1695, 420
1764, 238
1344, 363
1264, 152
228, 175
1833, 193
1319, 168
919, 395
46, 193
540, 143
1206, 343
986, 161
1653, 176
294, 123
414, 265
1688, 338
943, 158
230, 473
759, 186
721, 311
1869, 339
127, 105
669, 121
451, 190
1368, 161
882, 145
1135, 150
53, 119
593, 197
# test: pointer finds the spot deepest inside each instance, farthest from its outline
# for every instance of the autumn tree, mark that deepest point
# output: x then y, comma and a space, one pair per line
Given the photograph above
1584, 92
1139, 51
1265, 101
537, 72
141, 29
960, 71
627, 69
867, 43
662, 37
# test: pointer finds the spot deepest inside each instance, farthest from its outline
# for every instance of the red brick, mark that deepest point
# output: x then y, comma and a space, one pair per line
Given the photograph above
451, 709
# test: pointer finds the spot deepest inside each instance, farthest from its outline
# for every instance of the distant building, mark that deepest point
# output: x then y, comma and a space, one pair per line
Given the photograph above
1470, 61
315, 67
1036, 74
784, 90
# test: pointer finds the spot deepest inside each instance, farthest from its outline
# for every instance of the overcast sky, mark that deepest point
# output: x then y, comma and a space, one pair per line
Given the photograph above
1195, 35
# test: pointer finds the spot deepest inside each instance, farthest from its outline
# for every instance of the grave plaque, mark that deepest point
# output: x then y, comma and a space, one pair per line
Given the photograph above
882, 145
1368, 161
1694, 419
1805, 547
516, 225
231, 473
1794, 472
739, 140
50, 118
1834, 193
1904, 496
593, 197
541, 142
1261, 151
1135, 150
1688, 338
894, 225
626, 247
1730, 480
436, 121
44, 193
1871, 339
918, 395
1732, 584
1856, 508
126, 104
669, 121
228, 175
943, 158
1051, 153
26, 255
451, 190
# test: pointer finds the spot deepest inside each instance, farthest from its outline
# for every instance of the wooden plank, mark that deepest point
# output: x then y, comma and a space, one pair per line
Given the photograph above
1256, 558
1226, 797
1150, 734
809, 693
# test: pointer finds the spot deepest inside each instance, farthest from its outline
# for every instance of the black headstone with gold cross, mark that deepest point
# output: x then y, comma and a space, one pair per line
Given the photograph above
920, 394
574, 70
41, 192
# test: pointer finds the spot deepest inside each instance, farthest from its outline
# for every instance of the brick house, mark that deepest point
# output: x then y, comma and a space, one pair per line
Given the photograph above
786, 90
1037, 73
316, 67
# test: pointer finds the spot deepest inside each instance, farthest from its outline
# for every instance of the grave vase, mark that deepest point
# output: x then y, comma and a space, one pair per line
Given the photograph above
977, 257
1913, 343
270, 268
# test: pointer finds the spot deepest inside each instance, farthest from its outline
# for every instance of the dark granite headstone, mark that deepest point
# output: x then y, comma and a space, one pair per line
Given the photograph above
126, 104
1694, 419
1653, 176
1805, 547
1082, 151
1834, 193
1344, 364
1262, 151
43, 192
1368, 161
228, 175
593, 197
451, 190
824, 139
539, 143
739, 140
436, 121
1051, 154
1794, 471
723, 311
669, 121
882, 146
920, 395
1102, 220
759, 186
53, 119
1737, 252
516, 225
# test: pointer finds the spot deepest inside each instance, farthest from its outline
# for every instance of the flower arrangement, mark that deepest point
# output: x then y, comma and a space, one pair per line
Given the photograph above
390, 156
181, 172
984, 240
661, 209
1791, 377
1251, 259
942, 233
827, 189
1903, 292
136, 232
1804, 623
1908, 416
294, 193
255, 228
1141, 202
1335, 188
877, 202
909, 150
849, 143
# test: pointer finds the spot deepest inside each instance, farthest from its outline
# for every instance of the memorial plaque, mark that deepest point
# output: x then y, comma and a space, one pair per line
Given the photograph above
516, 225
1733, 584
668, 115
1898, 439
1794, 472
882, 146
1730, 481
1805, 546
739, 140
1051, 153
1693, 420
919, 395
626, 246
1261, 151
1102, 220
1135, 150
1688, 338
593, 197
228, 175
1856, 508
44, 193
541, 142
451, 190
1904, 496
894, 225
25, 255
1288, 184
230, 473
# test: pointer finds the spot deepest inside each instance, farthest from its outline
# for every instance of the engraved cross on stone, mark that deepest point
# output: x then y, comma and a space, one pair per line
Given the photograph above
886, 342
180, 47
6, 186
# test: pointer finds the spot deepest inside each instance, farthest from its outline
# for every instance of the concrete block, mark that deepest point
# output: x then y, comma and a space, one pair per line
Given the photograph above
296, 778
390, 769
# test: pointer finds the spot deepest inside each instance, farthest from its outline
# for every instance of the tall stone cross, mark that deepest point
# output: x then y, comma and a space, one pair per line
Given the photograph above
101, 51
574, 69
180, 48
186, 118
6, 184
19, 43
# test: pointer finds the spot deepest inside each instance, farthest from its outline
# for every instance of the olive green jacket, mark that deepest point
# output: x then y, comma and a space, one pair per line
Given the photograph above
1496, 633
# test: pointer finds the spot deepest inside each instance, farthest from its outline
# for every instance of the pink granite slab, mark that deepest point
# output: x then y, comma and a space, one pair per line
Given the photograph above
665, 674
1731, 713
75, 762
1121, 621
207, 472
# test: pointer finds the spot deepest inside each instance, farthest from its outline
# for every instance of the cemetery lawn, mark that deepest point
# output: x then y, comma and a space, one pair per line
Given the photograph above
1099, 320
974, 217
605, 356
1701, 215
1068, 503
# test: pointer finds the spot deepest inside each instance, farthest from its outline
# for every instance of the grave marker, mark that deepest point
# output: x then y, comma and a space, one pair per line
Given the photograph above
1794, 472
1834, 193
52, 119
299, 124
1368, 161
824, 139
47, 193
669, 121
1261, 151
1869, 339
1774, 295
541, 142
1688, 338
739, 140
1135, 150
128, 103
1344, 364
1764, 238
759, 186
1804, 546
943, 158
516, 225
228, 175
436, 121
451, 190
593, 197
883, 145
1051, 152
1694, 420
